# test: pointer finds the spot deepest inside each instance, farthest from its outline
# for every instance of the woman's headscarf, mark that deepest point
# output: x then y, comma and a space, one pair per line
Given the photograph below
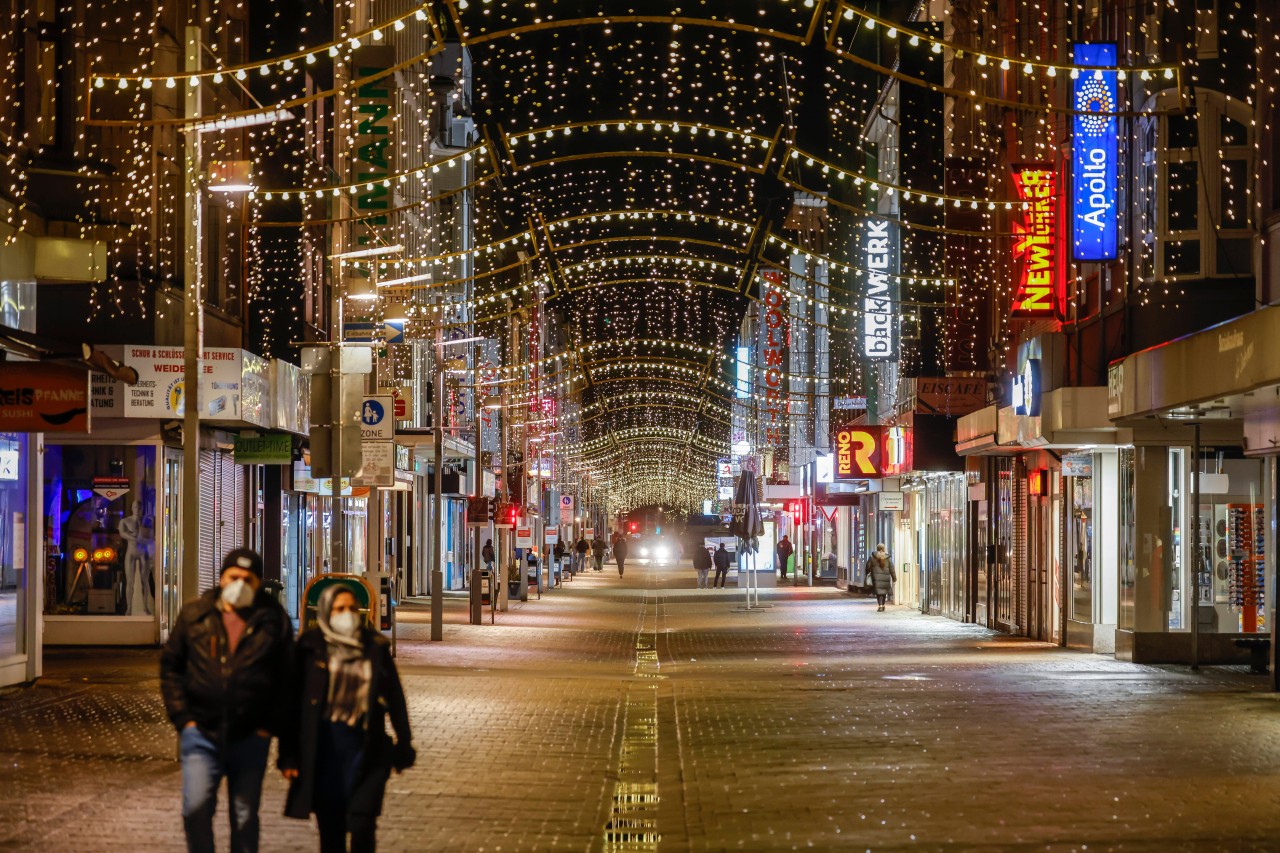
341, 646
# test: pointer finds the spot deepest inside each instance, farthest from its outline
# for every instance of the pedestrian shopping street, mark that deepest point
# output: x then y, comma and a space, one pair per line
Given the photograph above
640, 713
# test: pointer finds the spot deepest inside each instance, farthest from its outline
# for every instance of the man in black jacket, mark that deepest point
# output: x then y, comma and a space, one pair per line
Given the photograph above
722, 561
225, 675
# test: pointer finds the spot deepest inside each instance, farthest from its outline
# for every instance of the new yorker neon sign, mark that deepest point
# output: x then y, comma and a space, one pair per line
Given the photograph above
1094, 155
880, 299
1035, 241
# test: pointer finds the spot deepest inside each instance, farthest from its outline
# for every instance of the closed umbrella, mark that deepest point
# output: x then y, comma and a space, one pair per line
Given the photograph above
748, 526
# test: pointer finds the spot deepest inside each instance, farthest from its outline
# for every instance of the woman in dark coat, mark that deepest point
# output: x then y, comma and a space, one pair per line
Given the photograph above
881, 575
336, 750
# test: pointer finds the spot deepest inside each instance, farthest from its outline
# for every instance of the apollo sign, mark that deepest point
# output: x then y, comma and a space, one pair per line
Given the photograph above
1094, 154
881, 296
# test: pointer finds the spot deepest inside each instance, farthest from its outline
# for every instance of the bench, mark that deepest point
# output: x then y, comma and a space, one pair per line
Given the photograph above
1259, 652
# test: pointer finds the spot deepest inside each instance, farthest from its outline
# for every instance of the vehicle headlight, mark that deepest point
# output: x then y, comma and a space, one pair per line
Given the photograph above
660, 553
644, 552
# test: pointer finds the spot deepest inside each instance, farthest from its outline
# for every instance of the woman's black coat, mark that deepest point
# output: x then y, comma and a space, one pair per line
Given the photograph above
386, 699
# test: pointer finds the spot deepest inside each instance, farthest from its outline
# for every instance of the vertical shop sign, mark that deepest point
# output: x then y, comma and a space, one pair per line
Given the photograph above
1094, 154
773, 359
1035, 256
881, 296
490, 419
372, 115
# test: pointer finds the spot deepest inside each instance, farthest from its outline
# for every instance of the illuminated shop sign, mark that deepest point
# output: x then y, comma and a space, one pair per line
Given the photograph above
773, 357
743, 373
1026, 389
872, 452
1094, 155
881, 298
1035, 241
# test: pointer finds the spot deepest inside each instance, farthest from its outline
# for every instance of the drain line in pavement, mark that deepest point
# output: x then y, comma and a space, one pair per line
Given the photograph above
633, 814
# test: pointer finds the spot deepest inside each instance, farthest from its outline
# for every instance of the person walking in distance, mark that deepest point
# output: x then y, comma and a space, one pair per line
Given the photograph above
785, 550
597, 551
881, 574
722, 561
337, 753
580, 556
620, 554
486, 554
702, 564
225, 676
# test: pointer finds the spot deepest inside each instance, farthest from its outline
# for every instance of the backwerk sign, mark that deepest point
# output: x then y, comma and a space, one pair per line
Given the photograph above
1094, 155
880, 297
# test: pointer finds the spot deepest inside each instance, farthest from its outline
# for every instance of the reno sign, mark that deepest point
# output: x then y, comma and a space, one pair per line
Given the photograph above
1094, 154
872, 452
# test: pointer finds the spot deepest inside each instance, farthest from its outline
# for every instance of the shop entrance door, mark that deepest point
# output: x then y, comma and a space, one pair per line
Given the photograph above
170, 591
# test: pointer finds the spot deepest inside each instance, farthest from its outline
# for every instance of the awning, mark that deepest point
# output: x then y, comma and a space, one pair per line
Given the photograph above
1069, 418
1226, 374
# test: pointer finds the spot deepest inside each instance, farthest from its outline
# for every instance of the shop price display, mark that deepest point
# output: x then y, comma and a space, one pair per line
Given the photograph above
1246, 580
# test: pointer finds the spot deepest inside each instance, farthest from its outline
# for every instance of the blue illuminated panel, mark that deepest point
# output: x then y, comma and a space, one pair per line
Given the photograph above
1093, 213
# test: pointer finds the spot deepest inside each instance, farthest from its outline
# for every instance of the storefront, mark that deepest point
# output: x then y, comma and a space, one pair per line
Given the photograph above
1047, 520
1206, 422
111, 497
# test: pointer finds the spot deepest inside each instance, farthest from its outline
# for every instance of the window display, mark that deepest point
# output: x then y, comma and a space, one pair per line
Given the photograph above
99, 504
13, 542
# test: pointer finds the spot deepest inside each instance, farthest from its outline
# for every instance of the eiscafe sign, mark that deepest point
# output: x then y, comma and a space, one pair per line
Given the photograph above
880, 296
950, 395
38, 397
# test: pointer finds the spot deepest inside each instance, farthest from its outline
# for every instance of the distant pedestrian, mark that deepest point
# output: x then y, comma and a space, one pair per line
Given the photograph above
337, 753
580, 556
722, 561
225, 675
597, 551
702, 563
785, 550
881, 575
486, 554
620, 554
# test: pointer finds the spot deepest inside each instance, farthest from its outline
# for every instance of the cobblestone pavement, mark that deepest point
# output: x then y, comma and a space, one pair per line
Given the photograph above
641, 714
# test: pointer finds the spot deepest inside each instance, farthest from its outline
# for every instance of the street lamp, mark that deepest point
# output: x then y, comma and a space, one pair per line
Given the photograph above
233, 176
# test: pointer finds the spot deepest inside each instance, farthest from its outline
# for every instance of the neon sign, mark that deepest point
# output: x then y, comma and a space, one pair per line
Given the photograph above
773, 353
872, 452
880, 299
1094, 155
1035, 241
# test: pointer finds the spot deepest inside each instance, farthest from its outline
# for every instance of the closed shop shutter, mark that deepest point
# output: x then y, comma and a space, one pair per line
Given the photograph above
208, 520
1021, 558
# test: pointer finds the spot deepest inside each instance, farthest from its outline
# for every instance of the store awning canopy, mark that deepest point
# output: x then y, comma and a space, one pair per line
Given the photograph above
1069, 418
1228, 373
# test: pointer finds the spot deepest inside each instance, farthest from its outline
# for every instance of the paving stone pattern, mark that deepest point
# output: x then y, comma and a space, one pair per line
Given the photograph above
641, 714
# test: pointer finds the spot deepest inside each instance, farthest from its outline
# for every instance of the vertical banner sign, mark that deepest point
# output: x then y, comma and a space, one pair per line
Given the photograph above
490, 419
372, 148
1094, 155
1035, 242
773, 359
881, 297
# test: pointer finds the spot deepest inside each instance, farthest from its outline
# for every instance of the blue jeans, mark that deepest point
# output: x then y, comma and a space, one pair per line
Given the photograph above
204, 764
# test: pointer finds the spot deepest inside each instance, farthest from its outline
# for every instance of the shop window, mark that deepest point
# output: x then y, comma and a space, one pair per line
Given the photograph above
100, 530
13, 543
1127, 530
1080, 548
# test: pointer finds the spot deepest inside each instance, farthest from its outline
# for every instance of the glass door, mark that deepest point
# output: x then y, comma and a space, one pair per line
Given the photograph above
170, 592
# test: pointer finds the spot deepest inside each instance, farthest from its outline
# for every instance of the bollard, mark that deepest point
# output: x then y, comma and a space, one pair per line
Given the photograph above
475, 597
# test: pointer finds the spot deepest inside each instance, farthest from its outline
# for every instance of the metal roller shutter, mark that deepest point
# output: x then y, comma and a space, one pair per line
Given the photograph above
208, 520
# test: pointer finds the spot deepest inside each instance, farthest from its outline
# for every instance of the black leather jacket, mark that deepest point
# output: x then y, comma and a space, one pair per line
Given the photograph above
228, 696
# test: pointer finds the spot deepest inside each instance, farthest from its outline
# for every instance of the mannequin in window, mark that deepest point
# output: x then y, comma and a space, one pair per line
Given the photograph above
137, 564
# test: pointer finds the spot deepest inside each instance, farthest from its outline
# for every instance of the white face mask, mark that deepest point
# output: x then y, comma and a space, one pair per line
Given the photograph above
237, 594
346, 623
